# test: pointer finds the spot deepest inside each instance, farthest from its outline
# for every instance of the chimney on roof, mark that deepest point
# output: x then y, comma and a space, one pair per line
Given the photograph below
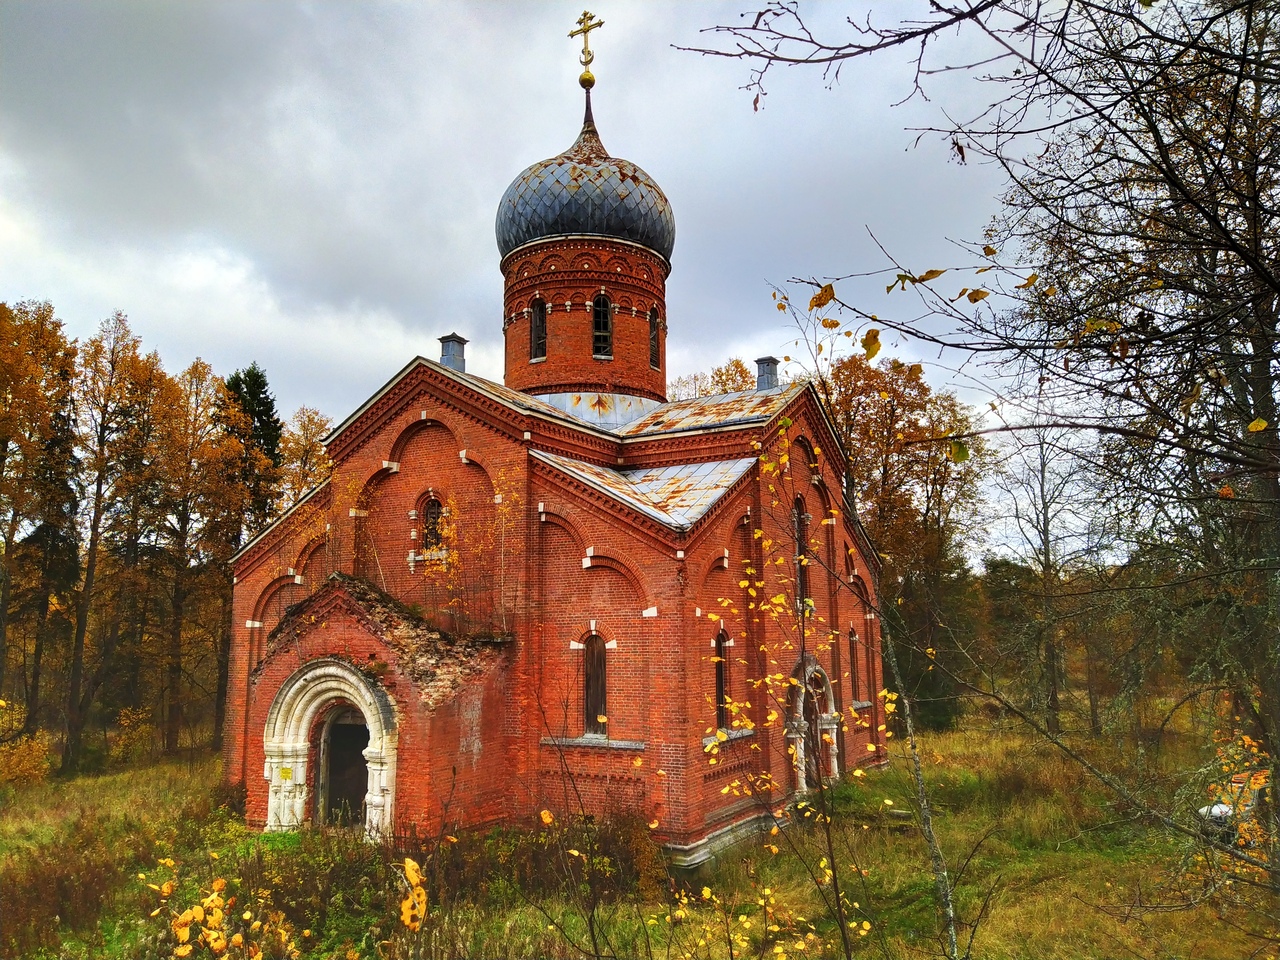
766, 373
452, 352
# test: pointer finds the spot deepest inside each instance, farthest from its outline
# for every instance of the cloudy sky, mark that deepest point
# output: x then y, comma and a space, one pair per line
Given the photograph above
313, 185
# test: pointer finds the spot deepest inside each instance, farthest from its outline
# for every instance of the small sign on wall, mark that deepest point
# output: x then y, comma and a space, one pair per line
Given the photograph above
286, 774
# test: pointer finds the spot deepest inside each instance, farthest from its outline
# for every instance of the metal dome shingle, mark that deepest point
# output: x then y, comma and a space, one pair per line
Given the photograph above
586, 191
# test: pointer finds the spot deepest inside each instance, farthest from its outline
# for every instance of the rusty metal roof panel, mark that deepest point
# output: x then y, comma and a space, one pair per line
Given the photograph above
705, 413
608, 411
676, 496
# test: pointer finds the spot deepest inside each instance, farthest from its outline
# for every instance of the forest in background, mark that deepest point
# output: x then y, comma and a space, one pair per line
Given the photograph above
124, 492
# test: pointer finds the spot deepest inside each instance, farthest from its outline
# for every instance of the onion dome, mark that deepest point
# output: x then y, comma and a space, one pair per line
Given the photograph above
586, 191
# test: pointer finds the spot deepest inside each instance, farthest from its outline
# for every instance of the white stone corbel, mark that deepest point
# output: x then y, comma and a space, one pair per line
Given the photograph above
649, 612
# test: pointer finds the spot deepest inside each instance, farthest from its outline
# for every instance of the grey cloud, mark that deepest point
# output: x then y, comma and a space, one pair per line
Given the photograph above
343, 162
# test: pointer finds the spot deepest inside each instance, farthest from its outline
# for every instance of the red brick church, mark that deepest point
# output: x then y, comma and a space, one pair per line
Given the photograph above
562, 591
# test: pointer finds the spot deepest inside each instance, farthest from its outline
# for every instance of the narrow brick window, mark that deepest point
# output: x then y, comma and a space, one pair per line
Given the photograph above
655, 345
595, 702
855, 686
801, 523
602, 327
431, 513
722, 680
538, 330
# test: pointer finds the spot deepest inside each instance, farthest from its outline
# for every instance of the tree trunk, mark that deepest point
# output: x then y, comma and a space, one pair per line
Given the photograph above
224, 668
1091, 683
76, 715
37, 661
173, 719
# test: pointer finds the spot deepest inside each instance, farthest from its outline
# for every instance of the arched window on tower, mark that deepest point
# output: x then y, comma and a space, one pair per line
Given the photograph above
800, 521
655, 340
601, 327
722, 679
538, 330
594, 699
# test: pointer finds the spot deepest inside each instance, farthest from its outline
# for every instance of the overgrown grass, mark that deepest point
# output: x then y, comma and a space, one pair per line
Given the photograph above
1047, 861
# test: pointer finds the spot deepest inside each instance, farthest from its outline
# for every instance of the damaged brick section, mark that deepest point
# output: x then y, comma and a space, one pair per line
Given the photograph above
438, 663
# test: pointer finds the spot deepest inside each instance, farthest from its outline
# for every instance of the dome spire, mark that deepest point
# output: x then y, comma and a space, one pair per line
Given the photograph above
586, 23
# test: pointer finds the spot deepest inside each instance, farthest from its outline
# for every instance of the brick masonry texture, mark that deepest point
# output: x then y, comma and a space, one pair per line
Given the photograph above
568, 273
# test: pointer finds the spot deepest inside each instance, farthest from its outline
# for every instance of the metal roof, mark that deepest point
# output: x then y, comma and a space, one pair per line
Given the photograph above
704, 413
676, 496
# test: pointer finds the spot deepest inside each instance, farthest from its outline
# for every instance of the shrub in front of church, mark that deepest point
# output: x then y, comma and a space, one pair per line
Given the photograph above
506, 866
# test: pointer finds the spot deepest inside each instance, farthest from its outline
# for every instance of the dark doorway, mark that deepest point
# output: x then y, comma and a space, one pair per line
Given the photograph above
347, 774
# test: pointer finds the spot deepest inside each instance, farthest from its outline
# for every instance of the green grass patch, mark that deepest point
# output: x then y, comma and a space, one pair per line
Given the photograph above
1049, 863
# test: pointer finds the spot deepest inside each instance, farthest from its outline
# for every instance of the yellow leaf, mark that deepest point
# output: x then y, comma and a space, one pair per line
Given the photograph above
976, 295
1258, 426
959, 451
989, 250
782, 306
412, 872
1028, 283
547, 818
601, 718
183, 950
638, 762
871, 342
822, 297
653, 824
929, 275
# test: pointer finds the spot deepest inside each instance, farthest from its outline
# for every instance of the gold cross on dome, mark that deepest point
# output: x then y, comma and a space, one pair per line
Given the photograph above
586, 23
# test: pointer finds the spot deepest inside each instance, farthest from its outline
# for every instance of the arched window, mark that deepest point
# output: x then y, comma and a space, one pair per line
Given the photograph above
722, 679
432, 511
655, 341
594, 699
855, 682
601, 327
800, 521
538, 330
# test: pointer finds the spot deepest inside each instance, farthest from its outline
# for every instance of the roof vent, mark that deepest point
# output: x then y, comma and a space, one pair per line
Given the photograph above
452, 352
766, 373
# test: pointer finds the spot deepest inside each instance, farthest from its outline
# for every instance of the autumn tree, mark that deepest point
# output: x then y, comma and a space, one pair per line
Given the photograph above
204, 499
730, 377
303, 462
918, 497
111, 377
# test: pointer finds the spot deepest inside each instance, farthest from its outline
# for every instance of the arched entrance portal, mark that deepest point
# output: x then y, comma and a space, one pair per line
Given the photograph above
344, 703
811, 726
343, 777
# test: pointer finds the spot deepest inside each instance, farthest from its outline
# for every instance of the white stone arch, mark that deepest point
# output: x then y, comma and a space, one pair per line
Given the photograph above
311, 689
828, 721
